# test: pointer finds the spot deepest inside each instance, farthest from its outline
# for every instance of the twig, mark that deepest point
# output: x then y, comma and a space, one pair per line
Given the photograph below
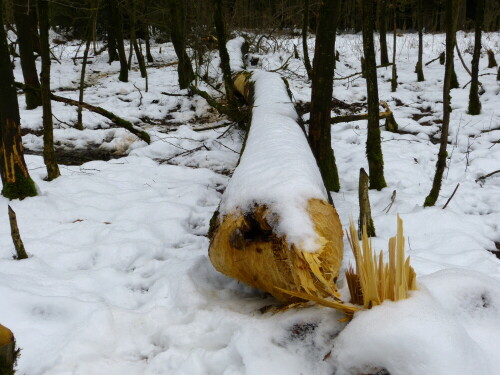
462, 60
388, 207
170, 94
140, 93
359, 73
452, 195
482, 178
214, 127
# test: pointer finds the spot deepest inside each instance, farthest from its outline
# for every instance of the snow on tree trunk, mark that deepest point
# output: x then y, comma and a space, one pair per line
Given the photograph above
275, 229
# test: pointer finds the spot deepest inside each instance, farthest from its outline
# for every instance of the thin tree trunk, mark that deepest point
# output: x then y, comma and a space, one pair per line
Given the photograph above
321, 96
305, 49
49, 156
118, 29
220, 29
373, 144
145, 28
474, 102
382, 24
28, 66
79, 121
16, 180
178, 34
394, 78
133, 41
451, 20
419, 68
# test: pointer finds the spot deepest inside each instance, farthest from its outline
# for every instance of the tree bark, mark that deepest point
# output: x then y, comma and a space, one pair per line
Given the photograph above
451, 20
8, 352
321, 96
178, 34
382, 25
474, 102
420, 21
17, 183
305, 49
373, 144
24, 38
49, 156
118, 31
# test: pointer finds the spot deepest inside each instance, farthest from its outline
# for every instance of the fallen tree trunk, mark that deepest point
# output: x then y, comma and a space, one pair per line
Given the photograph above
118, 121
109, 115
275, 229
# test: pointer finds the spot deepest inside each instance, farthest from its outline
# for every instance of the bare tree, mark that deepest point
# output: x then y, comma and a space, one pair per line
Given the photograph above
451, 13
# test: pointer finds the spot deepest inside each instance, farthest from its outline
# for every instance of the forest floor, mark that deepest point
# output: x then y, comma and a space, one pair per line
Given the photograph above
119, 281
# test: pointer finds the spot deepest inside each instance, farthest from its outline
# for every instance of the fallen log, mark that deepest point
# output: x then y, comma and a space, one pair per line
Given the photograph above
109, 115
118, 121
274, 229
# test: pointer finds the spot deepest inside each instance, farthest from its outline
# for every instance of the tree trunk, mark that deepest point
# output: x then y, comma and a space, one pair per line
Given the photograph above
321, 95
305, 49
79, 121
49, 156
394, 78
111, 36
24, 38
118, 31
474, 103
420, 21
145, 30
16, 180
382, 25
451, 19
220, 28
134, 44
373, 144
178, 34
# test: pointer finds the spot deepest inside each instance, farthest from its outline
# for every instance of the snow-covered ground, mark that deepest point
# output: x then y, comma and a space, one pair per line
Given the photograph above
119, 281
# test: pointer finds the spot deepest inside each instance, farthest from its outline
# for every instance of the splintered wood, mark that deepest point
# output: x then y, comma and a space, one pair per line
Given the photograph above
244, 247
374, 280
